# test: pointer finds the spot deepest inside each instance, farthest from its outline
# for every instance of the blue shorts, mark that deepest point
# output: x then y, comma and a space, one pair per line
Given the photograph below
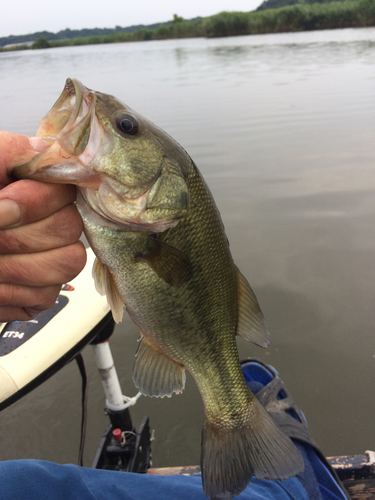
40, 480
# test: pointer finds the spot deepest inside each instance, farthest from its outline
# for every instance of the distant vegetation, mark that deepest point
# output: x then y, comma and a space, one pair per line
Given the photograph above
297, 17
86, 32
68, 33
275, 4
41, 43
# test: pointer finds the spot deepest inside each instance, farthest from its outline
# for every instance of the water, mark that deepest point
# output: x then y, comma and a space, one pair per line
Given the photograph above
282, 128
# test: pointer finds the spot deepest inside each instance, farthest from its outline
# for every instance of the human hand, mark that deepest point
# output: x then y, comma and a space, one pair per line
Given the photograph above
39, 232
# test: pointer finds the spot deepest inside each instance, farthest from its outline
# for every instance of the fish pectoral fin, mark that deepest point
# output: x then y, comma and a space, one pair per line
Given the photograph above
154, 373
105, 285
257, 447
251, 325
169, 263
98, 275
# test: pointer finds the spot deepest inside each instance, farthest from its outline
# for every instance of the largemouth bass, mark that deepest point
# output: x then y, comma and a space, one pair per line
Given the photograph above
163, 254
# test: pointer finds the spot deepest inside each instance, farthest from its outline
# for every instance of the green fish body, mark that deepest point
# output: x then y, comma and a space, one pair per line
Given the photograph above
162, 253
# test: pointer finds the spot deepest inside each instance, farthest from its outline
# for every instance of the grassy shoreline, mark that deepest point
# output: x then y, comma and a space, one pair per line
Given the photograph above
298, 17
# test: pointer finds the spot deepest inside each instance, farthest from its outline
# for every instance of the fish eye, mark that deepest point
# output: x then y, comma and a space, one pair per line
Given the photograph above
127, 123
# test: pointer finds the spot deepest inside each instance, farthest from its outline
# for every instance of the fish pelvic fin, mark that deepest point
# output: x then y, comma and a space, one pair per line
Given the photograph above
169, 263
251, 324
230, 457
156, 374
105, 285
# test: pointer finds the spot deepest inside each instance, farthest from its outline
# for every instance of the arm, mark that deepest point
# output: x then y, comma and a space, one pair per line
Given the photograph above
39, 232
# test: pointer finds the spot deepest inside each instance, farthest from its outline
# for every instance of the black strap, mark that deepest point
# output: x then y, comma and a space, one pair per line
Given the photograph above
284, 411
83, 372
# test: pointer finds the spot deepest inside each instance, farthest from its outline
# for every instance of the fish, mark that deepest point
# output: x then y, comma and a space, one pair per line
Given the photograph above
162, 253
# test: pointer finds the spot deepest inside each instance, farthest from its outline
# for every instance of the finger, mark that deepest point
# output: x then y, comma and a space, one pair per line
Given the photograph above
58, 230
28, 201
24, 303
48, 268
15, 150
11, 313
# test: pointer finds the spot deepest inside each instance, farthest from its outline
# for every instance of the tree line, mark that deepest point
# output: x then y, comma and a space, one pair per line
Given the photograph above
83, 33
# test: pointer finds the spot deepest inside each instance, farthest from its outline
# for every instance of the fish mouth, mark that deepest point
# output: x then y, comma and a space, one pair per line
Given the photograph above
71, 107
73, 133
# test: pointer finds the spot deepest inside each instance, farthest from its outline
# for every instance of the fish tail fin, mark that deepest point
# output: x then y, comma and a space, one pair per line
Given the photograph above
232, 456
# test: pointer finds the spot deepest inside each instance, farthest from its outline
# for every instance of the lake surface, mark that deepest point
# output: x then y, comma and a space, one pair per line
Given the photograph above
282, 127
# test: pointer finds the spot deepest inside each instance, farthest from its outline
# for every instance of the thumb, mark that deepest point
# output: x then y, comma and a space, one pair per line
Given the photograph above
16, 149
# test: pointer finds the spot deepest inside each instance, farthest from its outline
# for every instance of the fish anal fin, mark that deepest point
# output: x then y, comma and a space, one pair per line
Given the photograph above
154, 373
169, 263
105, 285
251, 325
231, 457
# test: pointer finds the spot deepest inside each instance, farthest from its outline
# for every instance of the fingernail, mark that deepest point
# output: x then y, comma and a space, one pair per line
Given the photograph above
10, 213
38, 144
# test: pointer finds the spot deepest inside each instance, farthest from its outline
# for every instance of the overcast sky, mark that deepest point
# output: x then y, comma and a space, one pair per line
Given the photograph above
19, 17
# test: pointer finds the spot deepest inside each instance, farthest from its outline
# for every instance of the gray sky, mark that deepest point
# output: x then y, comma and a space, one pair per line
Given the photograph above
19, 17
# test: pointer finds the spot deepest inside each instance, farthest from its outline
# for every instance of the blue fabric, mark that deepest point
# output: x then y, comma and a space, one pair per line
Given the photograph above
328, 486
40, 480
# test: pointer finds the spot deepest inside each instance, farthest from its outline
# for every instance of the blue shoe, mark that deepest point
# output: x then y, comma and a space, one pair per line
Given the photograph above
319, 479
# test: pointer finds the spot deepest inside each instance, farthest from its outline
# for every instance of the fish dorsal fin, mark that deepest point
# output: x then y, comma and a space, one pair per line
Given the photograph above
251, 325
154, 373
169, 263
105, 285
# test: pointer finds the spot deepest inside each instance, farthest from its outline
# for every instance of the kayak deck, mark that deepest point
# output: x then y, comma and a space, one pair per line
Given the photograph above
357, 472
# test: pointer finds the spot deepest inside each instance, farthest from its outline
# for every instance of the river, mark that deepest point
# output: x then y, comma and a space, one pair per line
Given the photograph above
282, 127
